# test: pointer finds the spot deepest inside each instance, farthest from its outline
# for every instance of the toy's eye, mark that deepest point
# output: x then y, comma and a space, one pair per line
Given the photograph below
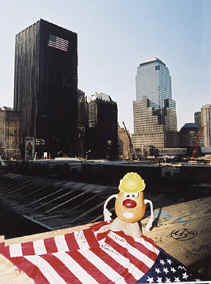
126, 195
135, 195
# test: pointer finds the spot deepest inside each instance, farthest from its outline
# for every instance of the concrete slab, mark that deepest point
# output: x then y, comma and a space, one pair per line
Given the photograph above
184, 231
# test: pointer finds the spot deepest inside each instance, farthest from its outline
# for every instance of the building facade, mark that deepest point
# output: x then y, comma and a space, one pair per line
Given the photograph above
148, 127
124, 144
102, 136
197, 118
155, 120
154, 82
45, 90
9, 133
206, 123
189, 135
82, 124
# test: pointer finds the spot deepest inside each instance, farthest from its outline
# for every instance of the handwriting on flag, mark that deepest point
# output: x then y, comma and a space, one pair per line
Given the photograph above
58, 42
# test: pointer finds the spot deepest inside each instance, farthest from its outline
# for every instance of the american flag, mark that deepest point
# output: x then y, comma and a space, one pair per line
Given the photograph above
58, 42
90, 257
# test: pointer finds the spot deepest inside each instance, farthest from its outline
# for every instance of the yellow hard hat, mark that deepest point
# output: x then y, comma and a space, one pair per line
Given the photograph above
132, 182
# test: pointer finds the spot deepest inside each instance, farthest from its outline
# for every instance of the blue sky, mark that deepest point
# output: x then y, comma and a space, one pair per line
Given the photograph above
114, 36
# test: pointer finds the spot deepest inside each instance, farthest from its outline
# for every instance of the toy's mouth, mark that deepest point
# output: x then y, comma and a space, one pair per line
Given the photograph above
129, 203
128, 215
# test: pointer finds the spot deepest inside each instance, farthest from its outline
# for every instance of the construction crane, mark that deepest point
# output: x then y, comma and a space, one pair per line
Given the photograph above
197, 144
132, 151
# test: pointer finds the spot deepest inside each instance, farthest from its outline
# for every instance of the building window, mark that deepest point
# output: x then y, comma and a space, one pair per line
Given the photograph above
157, 67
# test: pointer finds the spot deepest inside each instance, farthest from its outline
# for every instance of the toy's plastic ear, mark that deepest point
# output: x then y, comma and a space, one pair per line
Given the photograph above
151, 219
107, 214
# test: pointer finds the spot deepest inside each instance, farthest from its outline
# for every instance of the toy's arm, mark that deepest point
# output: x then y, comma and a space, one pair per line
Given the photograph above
107, 214
151, 219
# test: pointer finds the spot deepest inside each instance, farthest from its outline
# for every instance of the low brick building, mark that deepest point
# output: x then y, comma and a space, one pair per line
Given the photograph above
9, 133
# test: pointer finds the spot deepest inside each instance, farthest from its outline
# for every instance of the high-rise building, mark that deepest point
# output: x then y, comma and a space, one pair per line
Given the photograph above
197, 118
103, 127
154, 82
45, 90
82, 124
188, 135
148, 127
155, 120
206, 123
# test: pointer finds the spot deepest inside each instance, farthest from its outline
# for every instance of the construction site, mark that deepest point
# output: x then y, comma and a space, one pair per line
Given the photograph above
44, 198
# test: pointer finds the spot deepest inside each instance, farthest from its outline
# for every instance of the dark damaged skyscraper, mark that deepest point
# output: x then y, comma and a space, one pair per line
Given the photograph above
46, 85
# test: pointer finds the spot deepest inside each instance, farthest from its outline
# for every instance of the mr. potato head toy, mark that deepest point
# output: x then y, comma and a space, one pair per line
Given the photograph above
130, 206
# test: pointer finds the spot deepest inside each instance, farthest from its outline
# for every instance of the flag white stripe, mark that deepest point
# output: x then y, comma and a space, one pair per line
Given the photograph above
81, 240
135, 252
147, 244
15, 250
59, 43
120, 240
61, 243
39, 247
75, 268
103, 267
58, 47
141, 256
46, 269
124, 261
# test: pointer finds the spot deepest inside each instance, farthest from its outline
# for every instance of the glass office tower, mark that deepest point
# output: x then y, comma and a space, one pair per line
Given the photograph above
154, 82
155, 121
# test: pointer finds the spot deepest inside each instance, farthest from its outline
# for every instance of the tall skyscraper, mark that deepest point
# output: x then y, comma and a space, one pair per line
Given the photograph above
155, 121
103, 127
154, 82
45, 89
206, 123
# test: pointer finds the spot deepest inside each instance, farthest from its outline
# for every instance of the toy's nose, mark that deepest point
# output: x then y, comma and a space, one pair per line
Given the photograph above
129, 203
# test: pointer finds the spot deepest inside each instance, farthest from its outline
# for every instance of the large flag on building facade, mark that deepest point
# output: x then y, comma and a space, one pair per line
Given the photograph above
87, 256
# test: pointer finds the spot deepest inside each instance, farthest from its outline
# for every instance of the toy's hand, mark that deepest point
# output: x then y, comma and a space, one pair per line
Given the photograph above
107, 215
149, 224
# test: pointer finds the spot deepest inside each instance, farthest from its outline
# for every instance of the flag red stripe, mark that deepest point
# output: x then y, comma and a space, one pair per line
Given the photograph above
71, 242
50, 245
123, 244
123, 251
97, 226
91, 239
4, 250
139, 246
101, 236
30, 269
114, 265
150, 241
61, 269
27, 248
89, 267
137, 262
